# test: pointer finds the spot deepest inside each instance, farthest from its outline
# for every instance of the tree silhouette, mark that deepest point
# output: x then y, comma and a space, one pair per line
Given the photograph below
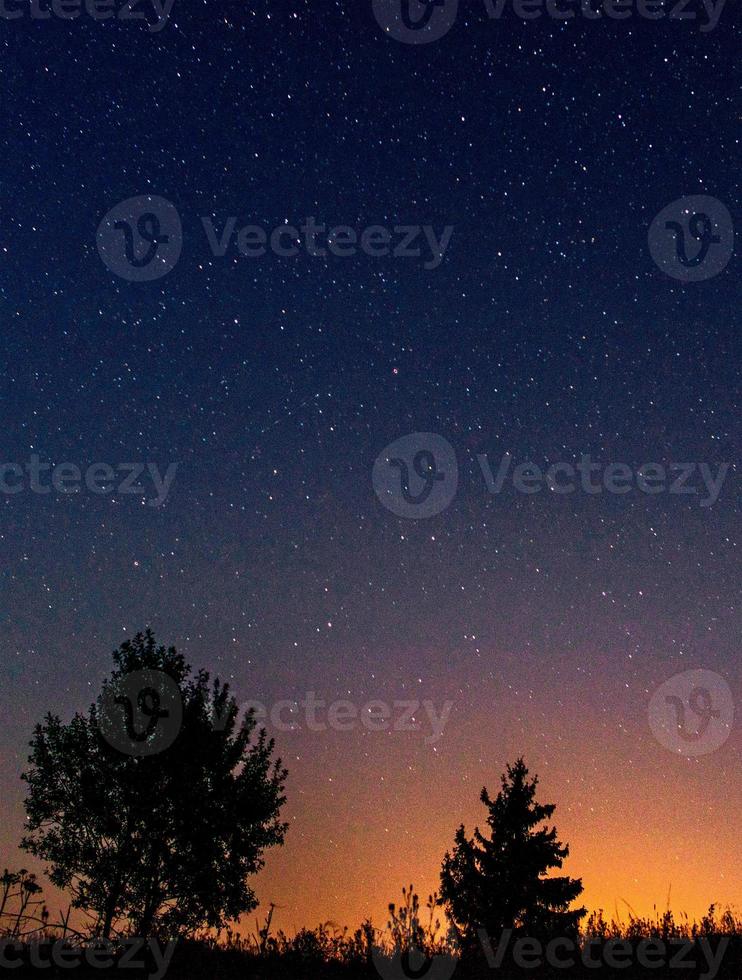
500, 881
154, 835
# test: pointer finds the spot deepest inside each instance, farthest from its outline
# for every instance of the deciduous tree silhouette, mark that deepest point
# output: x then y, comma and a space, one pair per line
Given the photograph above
163, 843
500, 881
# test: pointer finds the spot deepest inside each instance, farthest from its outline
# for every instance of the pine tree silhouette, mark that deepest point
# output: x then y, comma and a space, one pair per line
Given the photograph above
500, 881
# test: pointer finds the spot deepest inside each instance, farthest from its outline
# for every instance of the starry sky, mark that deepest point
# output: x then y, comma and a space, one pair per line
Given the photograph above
274, 383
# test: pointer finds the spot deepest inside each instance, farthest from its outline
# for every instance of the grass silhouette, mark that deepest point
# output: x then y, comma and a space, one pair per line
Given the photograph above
414, 944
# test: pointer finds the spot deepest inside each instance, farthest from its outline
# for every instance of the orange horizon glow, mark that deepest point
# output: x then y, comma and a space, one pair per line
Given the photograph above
372, 812
632, 855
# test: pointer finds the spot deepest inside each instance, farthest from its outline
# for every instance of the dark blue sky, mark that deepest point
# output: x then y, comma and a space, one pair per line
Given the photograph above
274, 383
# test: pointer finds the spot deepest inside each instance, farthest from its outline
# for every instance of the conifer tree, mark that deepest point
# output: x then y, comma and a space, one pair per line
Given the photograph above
501, 880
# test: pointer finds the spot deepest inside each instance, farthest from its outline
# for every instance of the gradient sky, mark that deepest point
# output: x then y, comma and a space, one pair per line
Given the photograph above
547, 331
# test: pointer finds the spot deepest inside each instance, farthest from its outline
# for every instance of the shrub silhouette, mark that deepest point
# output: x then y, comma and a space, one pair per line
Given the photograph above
406, 927
22, 910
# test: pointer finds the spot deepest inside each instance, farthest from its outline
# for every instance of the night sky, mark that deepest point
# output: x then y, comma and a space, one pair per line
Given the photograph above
547, 331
